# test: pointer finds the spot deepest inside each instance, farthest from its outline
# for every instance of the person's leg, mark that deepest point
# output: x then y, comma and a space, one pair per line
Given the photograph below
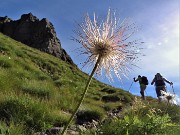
143, 87
158, 92
142, 95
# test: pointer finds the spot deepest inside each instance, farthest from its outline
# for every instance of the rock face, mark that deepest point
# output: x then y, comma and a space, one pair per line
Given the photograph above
39, 34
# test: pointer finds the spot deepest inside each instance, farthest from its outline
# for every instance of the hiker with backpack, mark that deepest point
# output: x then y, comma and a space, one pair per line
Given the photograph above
143, 81
159, 81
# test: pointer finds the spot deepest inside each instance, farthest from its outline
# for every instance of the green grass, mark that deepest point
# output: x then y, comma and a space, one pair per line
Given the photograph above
34, 86
39, 91
12, 129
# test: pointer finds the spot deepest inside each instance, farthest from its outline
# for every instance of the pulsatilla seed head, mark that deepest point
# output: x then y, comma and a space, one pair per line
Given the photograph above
109, 42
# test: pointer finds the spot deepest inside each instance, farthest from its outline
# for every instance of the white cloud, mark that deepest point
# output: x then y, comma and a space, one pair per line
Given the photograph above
163, 58
162, 53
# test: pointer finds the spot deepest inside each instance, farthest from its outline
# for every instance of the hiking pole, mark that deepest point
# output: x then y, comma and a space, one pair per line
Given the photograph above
130, 86
146, 93
173, 89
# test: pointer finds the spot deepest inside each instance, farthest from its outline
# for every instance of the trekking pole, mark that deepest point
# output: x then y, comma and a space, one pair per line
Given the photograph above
146, 93
130, 86
173, 89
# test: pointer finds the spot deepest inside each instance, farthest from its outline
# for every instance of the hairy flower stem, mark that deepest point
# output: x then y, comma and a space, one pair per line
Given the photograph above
82, 98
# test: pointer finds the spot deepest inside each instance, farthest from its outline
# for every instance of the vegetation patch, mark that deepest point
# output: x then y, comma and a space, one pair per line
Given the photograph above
110, 98
39, 91
108, 90
6, 62
88, 116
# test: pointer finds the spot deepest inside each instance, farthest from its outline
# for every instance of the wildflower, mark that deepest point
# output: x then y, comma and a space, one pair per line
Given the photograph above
169, 97
106, 46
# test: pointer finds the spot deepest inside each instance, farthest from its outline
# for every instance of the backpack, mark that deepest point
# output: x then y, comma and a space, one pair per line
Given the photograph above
144, 80
159, 82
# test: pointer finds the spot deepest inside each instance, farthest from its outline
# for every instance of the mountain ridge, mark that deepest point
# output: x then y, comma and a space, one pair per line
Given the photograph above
36, 33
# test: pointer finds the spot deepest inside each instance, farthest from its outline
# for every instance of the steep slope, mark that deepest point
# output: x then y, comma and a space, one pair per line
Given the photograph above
39, 90
39, 34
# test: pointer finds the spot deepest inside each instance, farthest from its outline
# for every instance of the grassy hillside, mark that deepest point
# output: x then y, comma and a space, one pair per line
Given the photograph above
39, 91
45, 90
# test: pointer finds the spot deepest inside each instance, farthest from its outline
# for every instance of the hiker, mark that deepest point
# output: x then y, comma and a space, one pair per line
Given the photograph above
159, 81
143, 81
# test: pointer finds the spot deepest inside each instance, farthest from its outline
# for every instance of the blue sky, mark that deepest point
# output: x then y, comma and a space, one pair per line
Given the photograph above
159, 29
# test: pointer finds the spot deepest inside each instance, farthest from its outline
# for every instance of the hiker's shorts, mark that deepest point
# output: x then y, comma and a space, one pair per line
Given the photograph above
158, 90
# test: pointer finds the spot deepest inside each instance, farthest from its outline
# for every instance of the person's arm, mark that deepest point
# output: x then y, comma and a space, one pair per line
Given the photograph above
167, 81
135, 80
153, 81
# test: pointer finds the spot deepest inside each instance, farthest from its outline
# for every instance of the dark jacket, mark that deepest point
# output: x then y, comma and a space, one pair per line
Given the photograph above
159, 80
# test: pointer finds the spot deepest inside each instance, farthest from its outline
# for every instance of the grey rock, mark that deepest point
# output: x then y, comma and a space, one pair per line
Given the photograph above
39, 34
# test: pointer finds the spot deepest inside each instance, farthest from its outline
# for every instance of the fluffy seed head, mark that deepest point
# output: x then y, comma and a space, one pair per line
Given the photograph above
109, 41
170, 98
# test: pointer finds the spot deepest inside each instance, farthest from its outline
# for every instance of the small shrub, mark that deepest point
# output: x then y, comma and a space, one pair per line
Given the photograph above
110, 98
8, 80
108, 90
127, 99
4, 48
20, 53
6, 63
139, 119
172, 110
43, 77
173, 129
96, 97
58, 82
40, 89
39, 92
88, 116
112, 106
32, 114
11, 128
134, 125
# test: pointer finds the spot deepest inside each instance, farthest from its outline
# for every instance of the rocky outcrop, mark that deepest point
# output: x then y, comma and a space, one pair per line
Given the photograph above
39, 34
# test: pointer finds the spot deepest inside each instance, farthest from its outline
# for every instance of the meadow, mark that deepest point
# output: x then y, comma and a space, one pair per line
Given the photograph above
39, 91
